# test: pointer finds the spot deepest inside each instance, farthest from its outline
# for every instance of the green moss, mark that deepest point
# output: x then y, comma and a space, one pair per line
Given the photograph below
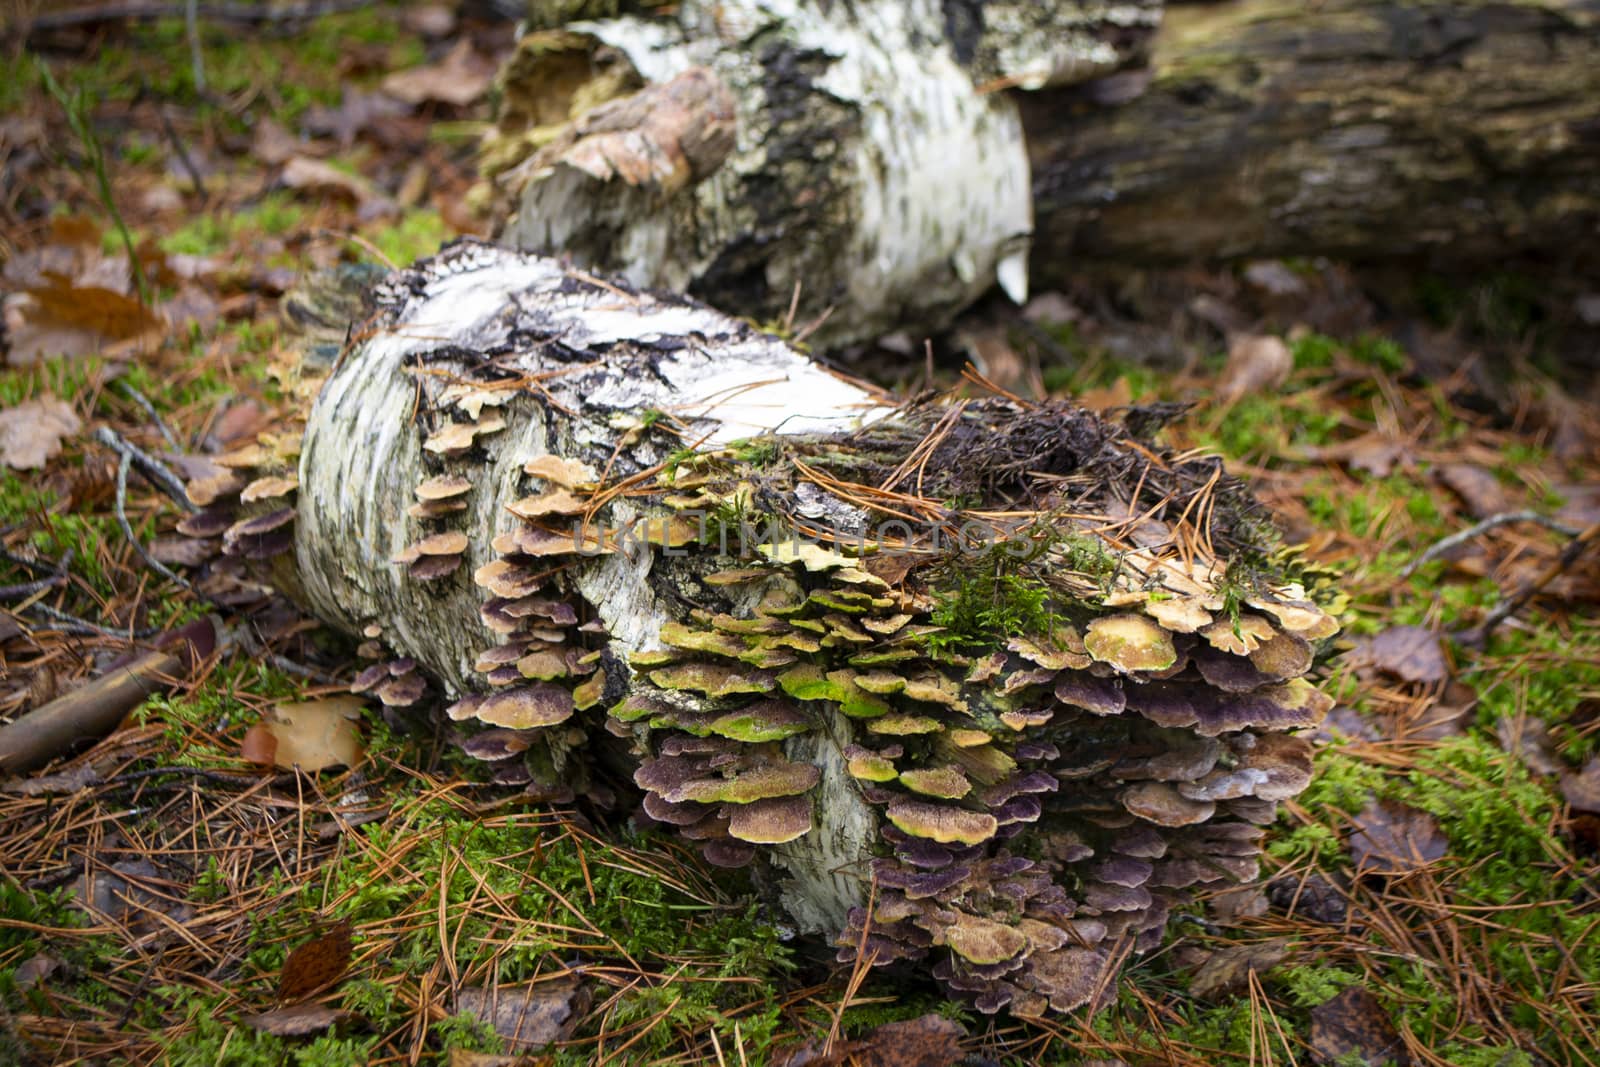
1314, 351
414, 234
1308, 985
1268, 428
274, 215
985, 608
1380, 352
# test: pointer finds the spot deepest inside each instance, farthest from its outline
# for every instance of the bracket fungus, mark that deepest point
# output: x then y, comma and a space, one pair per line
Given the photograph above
989, 686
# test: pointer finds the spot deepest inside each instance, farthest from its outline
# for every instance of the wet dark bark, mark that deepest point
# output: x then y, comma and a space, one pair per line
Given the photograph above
1456, 133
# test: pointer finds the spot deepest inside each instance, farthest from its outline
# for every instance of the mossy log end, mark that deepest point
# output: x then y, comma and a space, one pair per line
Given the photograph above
989, 686
1457, 132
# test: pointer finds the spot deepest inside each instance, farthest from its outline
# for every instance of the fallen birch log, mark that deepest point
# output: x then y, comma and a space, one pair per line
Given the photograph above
884, 164
990, 686
848, 166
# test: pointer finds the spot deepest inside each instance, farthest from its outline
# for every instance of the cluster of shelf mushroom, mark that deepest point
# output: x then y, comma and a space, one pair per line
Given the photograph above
1015, 808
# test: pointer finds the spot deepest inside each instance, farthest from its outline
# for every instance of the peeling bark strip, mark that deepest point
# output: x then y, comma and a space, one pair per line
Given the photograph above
851, 150
989, 686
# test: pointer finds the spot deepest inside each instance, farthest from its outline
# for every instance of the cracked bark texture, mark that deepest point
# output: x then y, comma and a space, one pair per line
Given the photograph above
854, 159
1455, 132
878, 157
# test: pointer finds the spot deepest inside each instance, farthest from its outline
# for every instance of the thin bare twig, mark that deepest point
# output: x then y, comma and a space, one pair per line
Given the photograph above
1492, 522
127, 530
1580, 543
153, 470
67, 623
144, 402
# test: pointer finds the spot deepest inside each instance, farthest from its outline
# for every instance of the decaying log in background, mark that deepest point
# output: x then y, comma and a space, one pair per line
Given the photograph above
873, 154
1457, 133
990, 686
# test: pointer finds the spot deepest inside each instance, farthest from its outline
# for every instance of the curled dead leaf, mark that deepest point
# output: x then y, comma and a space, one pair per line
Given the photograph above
32, 432
311, 736
1392, 838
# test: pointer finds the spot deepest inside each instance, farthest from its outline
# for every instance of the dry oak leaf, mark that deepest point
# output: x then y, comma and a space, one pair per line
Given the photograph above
1411, 653
315, 965
31, 432
1355, 1023
312, 736
1396, 839
529, 1016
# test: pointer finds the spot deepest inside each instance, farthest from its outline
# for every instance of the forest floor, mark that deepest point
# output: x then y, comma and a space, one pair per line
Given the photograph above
1432, 899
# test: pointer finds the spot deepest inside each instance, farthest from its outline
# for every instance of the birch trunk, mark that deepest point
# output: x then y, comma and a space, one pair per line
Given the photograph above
839, 164
865, 152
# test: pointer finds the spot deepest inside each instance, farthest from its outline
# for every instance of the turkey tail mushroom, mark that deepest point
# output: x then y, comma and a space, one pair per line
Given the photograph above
1000, 742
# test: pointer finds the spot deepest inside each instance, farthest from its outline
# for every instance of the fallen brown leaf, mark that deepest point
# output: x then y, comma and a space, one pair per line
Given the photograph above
183, 551
460, 78
926, 1041
1392, 838
303, 172
1478, 489
32, 431
299, 1021
311, 736
529, 1016
34, 970
1227, 971
272, 144
112, 315
1411, 653
1582, 790
1256, 362
1355, 1024
315, 965
358, 112
1530, 740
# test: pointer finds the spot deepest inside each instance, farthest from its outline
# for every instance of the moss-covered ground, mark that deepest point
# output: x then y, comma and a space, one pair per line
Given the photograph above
147, 910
